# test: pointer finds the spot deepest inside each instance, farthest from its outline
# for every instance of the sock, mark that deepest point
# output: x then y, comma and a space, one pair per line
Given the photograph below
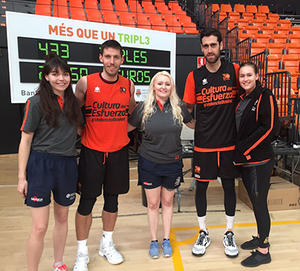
107, 237
202, 223
82, 246
58, 264
229, 223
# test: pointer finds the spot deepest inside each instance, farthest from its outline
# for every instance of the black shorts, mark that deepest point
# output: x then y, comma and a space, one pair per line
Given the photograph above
97, 169
207, 166
152, 175
49, 172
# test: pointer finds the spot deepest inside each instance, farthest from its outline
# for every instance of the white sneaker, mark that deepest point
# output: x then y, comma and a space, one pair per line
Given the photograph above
201, 244
110, 253
82, 261
231, 249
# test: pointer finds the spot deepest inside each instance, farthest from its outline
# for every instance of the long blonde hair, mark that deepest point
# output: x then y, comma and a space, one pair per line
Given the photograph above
149, 103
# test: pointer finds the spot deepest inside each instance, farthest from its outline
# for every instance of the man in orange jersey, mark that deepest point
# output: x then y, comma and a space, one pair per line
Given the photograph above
107, 97
213, 89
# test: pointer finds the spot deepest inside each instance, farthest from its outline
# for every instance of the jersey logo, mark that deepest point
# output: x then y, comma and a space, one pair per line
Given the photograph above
122, 89
226, 76
97, 89
197, 169
204, 81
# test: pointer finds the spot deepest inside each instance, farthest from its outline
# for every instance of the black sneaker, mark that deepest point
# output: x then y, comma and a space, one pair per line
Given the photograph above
252, 244
256, 259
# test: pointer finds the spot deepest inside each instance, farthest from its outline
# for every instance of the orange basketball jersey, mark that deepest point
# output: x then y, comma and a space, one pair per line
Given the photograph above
106, 112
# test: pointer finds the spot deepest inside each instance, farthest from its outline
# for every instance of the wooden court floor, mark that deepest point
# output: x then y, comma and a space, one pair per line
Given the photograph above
132, 234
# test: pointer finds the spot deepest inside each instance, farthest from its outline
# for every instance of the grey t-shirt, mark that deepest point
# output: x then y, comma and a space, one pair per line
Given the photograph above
60, 140
161, 135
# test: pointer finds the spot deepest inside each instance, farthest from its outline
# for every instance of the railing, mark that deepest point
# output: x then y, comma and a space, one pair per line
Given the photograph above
243, 50
202, 12
280, 84
223, 26
215, 19
261, 61
232, 40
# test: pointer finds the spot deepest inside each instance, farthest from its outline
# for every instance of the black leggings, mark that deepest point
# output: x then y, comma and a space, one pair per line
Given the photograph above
257, 182
229, 197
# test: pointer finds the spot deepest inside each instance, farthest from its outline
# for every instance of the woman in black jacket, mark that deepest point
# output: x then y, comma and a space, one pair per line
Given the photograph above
256, 122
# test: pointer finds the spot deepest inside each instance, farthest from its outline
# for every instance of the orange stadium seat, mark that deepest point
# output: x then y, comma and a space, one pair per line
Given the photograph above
77, 13
60, 9
251, 8
149, 8
120, 5
175, 8
293, 50
275, 50
215, 7
162, 7
175, 29
75, 3
263, 9
234, 16
291, 63
192, 31
106, 5
273, 63
92, 12
126, 19
43, 9
295, 30
225, 8
94, 15
135, 6
110, 17
43, 2
239, 8
142, 22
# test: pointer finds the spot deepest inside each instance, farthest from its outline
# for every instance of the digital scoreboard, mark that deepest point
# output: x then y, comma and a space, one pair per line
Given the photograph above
31, 38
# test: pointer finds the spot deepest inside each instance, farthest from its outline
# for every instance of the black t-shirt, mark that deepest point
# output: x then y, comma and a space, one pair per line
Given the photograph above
215, 96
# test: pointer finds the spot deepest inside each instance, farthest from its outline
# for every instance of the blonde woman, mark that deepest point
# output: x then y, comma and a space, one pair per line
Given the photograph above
160, 118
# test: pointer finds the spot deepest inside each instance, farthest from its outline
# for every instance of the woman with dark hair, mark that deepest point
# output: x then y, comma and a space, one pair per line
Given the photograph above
47, 158
257, 124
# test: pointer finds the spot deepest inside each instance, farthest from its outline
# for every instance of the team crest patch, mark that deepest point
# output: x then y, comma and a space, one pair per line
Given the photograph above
97, 89
197, 169
226, 76
122, 90
204, 81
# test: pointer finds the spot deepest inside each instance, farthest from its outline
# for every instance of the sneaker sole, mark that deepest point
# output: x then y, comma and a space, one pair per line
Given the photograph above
114, 263
232, 256
167, 255
154, 257
255, 265
199, 255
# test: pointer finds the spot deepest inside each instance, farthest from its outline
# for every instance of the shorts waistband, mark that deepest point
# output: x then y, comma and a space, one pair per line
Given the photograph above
50, 155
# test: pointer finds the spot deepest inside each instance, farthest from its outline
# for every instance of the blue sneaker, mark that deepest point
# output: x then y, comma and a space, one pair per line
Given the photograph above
167, 249
154, 251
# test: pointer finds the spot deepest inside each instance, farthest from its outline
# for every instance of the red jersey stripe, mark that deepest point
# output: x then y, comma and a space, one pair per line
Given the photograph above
26, 114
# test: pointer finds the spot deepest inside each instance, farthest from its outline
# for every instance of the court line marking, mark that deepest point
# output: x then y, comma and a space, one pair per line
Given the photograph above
176, 257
